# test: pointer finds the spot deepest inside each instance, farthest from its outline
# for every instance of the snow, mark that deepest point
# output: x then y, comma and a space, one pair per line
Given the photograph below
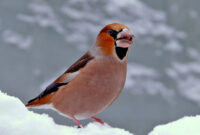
143, 22
43, 15
184, 126
173, 46
18, 120
151, 84
186, 76
13, 38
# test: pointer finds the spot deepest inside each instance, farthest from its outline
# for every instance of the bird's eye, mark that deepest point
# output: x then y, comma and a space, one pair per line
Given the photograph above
113, 33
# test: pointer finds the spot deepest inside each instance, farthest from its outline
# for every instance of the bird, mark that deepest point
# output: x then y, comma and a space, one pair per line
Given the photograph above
94, 81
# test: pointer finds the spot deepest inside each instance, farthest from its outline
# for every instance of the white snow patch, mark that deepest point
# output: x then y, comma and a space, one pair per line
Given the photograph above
16, 39
42, 14
141, 79
190, 88
193, 14
16, 119
144, 20
194, 53
173, 46
186, 77
183, 69
136, 71
183, 126
186, 68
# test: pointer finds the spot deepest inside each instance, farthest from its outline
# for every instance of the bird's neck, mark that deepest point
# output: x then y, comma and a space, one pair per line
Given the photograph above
119, 54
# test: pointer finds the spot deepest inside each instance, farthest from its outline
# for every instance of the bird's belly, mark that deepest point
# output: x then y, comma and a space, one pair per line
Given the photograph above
90, 93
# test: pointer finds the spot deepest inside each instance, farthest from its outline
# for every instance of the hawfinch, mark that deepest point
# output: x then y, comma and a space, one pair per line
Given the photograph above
93, 82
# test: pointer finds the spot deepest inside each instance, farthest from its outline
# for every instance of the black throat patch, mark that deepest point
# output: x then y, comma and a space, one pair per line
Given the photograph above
121, 52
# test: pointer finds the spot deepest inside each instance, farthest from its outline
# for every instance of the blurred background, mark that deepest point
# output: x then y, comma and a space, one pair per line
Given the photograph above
39, 39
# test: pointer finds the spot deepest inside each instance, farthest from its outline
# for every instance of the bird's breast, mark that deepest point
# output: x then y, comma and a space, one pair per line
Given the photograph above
105, 77
94, 89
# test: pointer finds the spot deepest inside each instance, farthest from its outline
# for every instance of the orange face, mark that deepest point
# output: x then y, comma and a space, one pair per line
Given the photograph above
114, 35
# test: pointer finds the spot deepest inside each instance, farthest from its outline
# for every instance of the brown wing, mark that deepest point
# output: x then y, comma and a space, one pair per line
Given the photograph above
80, 63
64, 79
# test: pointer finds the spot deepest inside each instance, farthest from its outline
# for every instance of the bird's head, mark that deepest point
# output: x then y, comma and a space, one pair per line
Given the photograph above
115, 39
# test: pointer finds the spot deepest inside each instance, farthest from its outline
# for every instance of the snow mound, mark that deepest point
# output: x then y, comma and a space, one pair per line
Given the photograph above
16, 119
184, 126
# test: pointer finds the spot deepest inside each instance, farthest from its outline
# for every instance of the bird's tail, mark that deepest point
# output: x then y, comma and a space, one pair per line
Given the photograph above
33, 102
37, 102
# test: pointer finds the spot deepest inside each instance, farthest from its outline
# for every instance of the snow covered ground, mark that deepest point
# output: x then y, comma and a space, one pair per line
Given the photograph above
184, 126
16, 119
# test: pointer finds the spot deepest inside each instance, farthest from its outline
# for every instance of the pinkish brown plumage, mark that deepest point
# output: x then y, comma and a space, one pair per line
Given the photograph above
92, 83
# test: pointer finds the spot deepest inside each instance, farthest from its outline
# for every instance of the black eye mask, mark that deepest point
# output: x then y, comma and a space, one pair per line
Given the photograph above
113, 33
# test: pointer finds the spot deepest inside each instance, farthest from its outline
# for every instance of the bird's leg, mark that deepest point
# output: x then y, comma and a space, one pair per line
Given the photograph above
77, 122
98, 120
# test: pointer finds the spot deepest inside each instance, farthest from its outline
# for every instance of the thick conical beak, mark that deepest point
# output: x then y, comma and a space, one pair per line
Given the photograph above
124, 38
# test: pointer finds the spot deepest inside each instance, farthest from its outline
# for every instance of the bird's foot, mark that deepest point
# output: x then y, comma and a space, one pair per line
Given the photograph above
77, 122
98, 120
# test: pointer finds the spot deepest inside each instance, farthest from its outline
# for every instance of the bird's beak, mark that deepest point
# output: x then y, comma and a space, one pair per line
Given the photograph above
124, 38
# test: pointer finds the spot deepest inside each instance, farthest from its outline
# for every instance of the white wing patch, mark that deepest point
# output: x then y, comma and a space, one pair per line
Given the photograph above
71, 76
